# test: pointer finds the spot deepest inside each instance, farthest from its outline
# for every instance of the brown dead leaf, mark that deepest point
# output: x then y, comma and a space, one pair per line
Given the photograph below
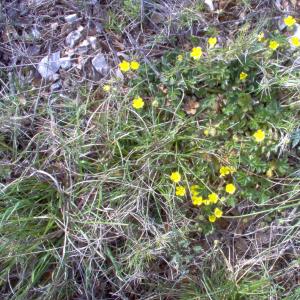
241, 246
22, 100
163, 88
190, 107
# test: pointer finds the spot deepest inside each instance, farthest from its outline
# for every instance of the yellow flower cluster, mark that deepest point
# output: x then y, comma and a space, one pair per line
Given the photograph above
176, 178
218, 213
290, 22
198, 200
125, 65
226, 170
197, 52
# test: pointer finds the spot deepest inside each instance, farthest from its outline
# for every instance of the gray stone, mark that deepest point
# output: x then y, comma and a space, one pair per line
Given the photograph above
72, 38
55, 86
100, 64
93, 42
49, 65
65, 62
71, 18
83, 47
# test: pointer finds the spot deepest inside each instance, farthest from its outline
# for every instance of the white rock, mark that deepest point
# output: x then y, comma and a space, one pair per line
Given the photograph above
83, 47
49, 65
100, 64
210, 4
65, 62
93, 42
71, 18
55, 86
72, 38
54, 26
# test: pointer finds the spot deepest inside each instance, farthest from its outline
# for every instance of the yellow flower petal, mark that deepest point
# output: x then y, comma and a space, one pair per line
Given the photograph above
212, 41
261, 37
180, 58
206, 202
196, 53
230, 188
289, 21
213, 198
295, 41
212, 218
180, 191
226, 170
273, 45
106, 88
259, 135
124, 66
175, 177
134, 65
243, 76
218, 212
138, 103
197, 200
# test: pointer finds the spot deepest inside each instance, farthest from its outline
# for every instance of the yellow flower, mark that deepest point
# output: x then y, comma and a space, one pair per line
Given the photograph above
261, 37
225, 170
210, 131
243, 75
197, 200
180, 58
212, 218
212, 41
134, 65
106, 88
259, 135
138, 103
196, 53
273, 45
206, 201
218, 212
206, 132
180, 191
289, 21
124, 66
194, 190
230, 188
213, 198
175, 177
295, 41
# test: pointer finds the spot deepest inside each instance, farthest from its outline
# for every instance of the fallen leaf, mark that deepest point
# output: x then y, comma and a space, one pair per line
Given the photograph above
190, 107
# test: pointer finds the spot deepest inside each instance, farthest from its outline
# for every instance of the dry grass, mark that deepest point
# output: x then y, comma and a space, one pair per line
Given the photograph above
86, 208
